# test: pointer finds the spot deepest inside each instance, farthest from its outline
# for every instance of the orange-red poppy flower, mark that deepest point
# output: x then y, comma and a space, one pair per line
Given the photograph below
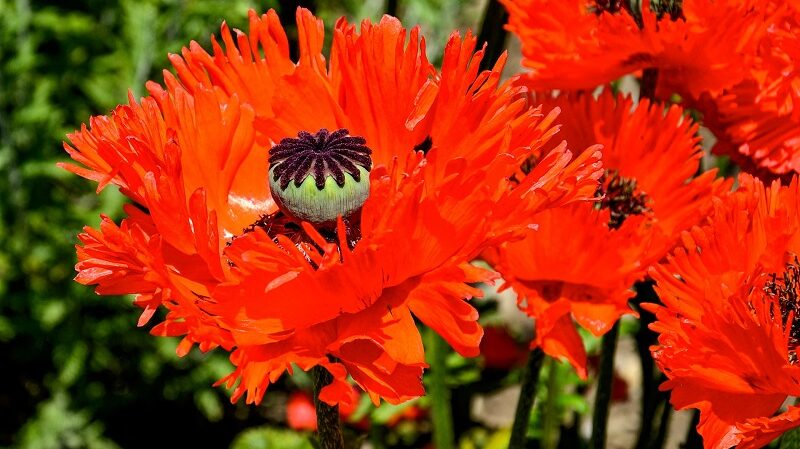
301, 414
207, 241
582, 260
300, 411
756, 121
500, 350
729, 329
696, 45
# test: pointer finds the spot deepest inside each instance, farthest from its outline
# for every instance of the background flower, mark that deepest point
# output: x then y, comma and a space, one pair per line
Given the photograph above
580, 262
728, 336
695, 45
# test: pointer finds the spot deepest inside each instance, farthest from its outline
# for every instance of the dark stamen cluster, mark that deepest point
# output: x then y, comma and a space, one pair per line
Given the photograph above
618, 195
319, 155
611, 6
784, 289
673, 8
525, 168
279, 223
425, 145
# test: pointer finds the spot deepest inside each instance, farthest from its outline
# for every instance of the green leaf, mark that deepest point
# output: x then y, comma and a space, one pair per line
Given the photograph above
271, 438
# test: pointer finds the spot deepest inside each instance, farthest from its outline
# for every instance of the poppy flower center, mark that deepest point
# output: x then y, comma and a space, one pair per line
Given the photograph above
319, 177
784, 289
620, 197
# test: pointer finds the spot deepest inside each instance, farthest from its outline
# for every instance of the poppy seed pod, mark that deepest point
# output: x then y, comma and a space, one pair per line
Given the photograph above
319, 177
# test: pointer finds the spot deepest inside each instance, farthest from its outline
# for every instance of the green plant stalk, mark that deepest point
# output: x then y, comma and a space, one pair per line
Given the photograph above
441, 414
605, 380
493, 33
551, 415
652, 399
391, 7
527, 395
791, 439
663, 424
329, 427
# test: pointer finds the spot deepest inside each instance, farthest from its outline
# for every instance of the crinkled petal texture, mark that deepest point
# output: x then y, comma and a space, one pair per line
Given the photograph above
724, 343
577, 44
755, 120
574, 265
193, 157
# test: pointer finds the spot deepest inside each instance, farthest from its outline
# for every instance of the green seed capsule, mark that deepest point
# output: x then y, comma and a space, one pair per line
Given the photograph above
318, 177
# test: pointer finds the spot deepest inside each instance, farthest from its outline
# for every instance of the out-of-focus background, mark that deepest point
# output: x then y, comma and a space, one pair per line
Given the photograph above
75, 372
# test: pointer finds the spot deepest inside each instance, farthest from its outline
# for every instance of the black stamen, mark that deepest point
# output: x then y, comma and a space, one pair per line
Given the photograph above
619, 196
319, 155
611, 6
425, 145
673, 8
279, 223
784, 289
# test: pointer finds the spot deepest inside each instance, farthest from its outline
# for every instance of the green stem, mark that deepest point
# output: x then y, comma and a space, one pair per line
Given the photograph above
605, 380
693, 439
551, 417
329, 428
493, 33
663, 424
391, 7
286, 13
791, 439
441, 414
527, 395
652, 398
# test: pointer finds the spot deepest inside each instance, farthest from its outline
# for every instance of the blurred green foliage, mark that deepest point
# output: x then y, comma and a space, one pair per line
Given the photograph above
77, 373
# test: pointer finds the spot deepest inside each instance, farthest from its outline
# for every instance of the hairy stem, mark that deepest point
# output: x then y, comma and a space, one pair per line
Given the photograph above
604, 383
527, 395
329, 428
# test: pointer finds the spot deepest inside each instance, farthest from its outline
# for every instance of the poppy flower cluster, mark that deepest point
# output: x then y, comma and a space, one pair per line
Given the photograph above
307, 213
726, 321
578, 44
734, 61
230, 235
581, 261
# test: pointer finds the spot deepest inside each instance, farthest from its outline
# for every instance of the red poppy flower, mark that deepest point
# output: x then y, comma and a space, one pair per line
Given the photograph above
579, 44
301, 414
500, 350
294, 285
581, 261
756, 121
412, 413
728, 326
